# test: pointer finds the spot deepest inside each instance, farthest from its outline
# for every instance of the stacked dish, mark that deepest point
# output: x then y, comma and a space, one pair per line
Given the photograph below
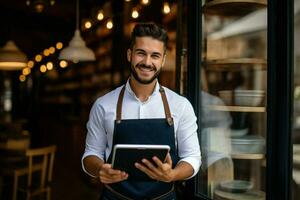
242, 97
237, 190
236, 186
248, 144
248, 97
239, 132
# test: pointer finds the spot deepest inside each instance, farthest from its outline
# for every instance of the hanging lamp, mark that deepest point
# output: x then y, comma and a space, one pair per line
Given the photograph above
77, 50
11, 57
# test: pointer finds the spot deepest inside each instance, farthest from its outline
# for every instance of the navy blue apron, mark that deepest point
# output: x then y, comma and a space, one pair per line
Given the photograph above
143, 131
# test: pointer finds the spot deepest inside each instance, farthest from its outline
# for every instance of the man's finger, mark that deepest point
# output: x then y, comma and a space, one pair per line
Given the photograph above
169, 159
145, 170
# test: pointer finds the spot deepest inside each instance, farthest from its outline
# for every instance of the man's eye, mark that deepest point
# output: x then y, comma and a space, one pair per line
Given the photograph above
140, 53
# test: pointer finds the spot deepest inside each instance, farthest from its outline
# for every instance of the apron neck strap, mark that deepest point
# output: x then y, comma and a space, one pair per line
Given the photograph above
164, 100
166, 105
119, 105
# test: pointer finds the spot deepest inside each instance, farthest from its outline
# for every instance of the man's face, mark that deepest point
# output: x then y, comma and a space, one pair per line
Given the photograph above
146, 57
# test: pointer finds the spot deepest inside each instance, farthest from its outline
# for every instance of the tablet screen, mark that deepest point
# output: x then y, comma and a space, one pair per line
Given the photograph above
125, 155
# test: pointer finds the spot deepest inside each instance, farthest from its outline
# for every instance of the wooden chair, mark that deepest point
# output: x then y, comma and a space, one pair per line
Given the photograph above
40, 162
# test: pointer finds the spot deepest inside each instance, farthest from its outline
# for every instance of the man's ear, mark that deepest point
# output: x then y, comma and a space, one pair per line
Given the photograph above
164, 60
129, 52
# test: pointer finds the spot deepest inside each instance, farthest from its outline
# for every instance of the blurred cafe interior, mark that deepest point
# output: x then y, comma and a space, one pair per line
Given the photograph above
58, 56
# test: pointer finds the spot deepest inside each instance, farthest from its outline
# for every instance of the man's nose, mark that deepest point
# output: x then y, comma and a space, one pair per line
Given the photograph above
148, 60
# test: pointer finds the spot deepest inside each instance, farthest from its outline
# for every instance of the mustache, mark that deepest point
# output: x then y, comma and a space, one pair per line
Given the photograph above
146, 66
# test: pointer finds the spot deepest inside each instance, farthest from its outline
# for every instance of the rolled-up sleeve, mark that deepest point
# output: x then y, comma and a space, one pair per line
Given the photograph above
187, 138
96, 139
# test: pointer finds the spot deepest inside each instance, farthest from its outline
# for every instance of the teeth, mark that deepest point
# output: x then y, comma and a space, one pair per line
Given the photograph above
145, 69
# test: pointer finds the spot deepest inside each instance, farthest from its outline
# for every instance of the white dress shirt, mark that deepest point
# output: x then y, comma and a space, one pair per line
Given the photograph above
103, 114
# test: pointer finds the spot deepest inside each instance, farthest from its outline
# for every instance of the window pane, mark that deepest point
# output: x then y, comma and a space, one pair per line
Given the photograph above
296, 129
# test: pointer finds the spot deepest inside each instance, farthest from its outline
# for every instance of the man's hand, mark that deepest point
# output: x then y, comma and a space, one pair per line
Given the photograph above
109, 175
163, 171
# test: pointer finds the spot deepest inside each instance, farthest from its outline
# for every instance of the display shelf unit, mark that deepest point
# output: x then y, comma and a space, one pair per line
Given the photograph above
248, 156
235, 64
236, 108
232, 62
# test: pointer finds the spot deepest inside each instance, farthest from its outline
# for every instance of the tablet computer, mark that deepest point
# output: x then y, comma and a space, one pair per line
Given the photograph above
125, 155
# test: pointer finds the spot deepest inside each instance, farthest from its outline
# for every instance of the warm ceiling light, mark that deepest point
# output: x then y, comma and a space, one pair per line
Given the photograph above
26, 71
11, 58
30, 64
135, 13
43, 68
22, 78
77, 50
52, 50
59, 45
127, 0
166, 8
145, 2
46, 52
100, 15
87, 24
109, 24
63, 64
49, 65
38, 58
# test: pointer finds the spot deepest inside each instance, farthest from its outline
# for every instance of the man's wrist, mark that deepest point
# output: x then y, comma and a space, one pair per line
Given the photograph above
98, 169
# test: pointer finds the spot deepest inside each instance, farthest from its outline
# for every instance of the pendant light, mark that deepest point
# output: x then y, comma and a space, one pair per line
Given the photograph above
11, 57
77, 50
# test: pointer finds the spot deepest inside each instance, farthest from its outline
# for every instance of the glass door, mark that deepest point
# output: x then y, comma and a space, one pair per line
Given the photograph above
232, 96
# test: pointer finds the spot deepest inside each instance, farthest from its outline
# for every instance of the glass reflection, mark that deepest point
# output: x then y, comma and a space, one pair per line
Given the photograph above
296, 125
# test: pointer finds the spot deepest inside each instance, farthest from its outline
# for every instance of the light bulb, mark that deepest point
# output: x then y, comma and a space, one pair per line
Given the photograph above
100, 15
109, 24
43, 68
26, 71
87, 24
59, 45
30, 64
166, 8
22, 78
145, 2
135, 14
49, 65
63, 64
38, 58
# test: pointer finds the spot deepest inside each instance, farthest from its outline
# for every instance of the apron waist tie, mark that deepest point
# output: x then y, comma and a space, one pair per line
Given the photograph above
122, 197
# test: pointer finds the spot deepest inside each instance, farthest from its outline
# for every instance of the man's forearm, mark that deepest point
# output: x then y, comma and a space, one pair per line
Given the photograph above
92, 165
182, 171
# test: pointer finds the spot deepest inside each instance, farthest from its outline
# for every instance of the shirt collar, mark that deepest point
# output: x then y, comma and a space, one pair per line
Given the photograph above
130, 91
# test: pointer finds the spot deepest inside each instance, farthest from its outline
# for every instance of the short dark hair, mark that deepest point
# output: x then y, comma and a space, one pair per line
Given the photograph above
149, 29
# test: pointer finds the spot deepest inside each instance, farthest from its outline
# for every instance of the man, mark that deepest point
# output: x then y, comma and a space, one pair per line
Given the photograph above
143, 112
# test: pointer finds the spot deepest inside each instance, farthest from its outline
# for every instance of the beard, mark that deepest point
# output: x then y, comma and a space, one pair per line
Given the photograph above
143, 81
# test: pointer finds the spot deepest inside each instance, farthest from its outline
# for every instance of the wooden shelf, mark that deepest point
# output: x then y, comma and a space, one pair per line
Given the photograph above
236, 108
250, 156
233, 7
236, 64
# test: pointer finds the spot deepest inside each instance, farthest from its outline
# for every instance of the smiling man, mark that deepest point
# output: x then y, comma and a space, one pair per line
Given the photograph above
143, 112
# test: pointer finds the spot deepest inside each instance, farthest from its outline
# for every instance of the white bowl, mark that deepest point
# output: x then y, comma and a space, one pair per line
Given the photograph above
238, 132
248, 144
248, 99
